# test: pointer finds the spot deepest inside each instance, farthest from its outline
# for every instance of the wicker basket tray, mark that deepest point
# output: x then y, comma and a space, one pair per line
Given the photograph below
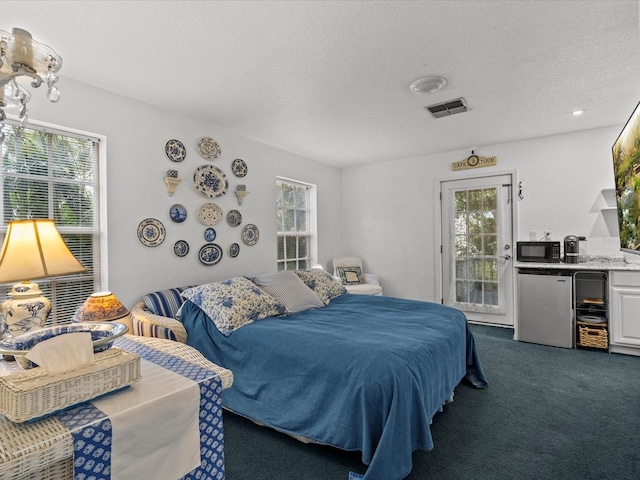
593, 335
34, 393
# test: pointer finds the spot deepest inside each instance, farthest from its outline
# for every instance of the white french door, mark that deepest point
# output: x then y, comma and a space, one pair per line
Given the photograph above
477, 272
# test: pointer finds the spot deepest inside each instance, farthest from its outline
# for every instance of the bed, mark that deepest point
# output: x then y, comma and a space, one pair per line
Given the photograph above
363, 373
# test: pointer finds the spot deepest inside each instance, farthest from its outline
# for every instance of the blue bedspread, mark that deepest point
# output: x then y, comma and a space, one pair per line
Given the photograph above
363, 373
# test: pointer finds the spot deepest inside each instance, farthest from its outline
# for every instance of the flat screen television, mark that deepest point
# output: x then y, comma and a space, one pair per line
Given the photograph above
626, 171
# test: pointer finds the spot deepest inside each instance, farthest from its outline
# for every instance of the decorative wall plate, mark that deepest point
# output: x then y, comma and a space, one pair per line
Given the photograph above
175, 151
210, 181
239, 168
250, 234
210, 214
151, 232
234, 217
234, 250
181, 248
178, 213
210, 254
210, 234
209, 148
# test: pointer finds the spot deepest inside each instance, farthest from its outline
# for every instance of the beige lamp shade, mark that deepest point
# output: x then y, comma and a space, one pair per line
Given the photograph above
101, 307
34, 249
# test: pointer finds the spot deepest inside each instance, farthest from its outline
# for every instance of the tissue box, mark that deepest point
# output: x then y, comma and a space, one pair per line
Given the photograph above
35, 393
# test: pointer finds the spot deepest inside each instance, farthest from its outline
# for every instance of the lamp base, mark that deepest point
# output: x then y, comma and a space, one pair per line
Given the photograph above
25, 310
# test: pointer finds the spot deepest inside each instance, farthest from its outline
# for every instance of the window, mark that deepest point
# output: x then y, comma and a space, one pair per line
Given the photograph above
49, 173
295, 206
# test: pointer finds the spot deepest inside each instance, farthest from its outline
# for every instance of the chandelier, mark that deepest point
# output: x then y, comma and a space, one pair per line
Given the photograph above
20, 55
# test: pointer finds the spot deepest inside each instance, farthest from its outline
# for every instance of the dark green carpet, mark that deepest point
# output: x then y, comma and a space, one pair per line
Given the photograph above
548, 413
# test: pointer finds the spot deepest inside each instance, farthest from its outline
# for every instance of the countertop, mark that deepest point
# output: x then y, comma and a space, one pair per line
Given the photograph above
586, 263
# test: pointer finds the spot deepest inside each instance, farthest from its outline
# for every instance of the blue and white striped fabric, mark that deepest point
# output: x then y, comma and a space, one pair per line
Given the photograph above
165, 302
91, 429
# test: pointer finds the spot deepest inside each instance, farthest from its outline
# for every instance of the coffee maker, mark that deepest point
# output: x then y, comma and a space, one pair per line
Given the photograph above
571, 249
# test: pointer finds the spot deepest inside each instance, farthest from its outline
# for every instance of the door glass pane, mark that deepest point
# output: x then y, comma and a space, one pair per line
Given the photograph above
476, 246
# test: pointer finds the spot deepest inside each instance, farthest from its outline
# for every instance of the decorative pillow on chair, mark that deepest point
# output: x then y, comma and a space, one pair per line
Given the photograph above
351, 275
287, 288
322, 283
165, 303
233, 303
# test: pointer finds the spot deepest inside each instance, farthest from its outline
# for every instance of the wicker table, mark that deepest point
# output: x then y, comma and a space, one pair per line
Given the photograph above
44, 449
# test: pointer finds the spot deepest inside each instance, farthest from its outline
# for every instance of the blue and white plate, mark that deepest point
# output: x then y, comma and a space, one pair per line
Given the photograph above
181, 248
103, 335
151, 232
178, 213
175, 151
239, 168
210, 181
234, 217
210, 234
210, 254
234, 250
250, 234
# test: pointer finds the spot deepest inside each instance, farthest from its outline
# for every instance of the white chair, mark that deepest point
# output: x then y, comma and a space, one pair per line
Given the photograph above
348, 270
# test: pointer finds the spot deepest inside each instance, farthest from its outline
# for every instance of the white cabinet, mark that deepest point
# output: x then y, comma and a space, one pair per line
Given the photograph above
625, 312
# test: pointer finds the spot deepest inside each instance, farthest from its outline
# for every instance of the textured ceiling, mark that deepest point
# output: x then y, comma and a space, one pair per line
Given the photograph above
329, 80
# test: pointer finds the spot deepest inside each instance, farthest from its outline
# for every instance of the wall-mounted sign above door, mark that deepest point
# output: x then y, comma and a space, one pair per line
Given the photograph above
474, 161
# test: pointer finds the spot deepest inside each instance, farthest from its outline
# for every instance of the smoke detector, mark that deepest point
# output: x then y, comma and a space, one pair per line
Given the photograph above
428, 85
450, 107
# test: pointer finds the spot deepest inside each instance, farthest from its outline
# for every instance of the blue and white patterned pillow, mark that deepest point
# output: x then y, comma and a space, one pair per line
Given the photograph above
233, 303
322, 283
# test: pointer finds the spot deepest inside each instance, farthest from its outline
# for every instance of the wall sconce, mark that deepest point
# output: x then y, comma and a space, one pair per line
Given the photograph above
241, 192
171, 180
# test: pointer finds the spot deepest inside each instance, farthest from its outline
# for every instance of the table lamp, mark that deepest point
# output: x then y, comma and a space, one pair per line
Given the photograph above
32, 249
102, 307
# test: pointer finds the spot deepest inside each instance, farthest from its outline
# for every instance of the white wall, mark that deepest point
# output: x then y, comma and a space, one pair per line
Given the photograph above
389, 213
136, 134
384, 212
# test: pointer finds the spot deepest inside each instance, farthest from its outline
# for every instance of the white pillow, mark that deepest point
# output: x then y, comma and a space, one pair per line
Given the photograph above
287, 288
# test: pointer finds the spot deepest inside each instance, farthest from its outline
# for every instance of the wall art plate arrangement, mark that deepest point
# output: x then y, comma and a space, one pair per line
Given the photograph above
239, 168
210, 234
234, 250
210, 254
181, 248
175, 151
151, 232
250, 234
178, 213
209, 148
210, 214
234, 217
210, 181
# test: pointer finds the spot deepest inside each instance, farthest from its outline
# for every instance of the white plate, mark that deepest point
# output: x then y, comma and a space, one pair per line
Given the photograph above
210, 181
151, 232
210, 214
250, 234
175, 151
209, 148
210, 254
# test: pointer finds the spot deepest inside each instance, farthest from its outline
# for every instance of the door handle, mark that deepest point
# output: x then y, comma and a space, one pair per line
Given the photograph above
506, 257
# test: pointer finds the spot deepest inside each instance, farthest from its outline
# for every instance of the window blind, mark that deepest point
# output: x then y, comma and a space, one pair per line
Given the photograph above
49, 173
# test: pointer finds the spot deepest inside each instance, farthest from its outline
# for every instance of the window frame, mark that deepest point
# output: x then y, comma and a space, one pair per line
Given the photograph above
311, 222
98, 231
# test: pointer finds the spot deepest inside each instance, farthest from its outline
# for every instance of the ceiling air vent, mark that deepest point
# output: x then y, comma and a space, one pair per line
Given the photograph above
448, 108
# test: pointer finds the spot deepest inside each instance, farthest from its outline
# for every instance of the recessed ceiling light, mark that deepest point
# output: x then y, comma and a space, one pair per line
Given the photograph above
428, 85
577, 113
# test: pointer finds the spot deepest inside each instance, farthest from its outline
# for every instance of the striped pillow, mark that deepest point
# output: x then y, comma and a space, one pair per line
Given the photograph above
164, 302
287, 288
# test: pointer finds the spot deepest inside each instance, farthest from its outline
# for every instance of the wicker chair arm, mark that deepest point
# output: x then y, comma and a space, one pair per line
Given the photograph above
188, 354
140, 317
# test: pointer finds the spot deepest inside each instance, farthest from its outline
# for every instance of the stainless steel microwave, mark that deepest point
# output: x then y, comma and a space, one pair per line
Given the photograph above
540, 252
